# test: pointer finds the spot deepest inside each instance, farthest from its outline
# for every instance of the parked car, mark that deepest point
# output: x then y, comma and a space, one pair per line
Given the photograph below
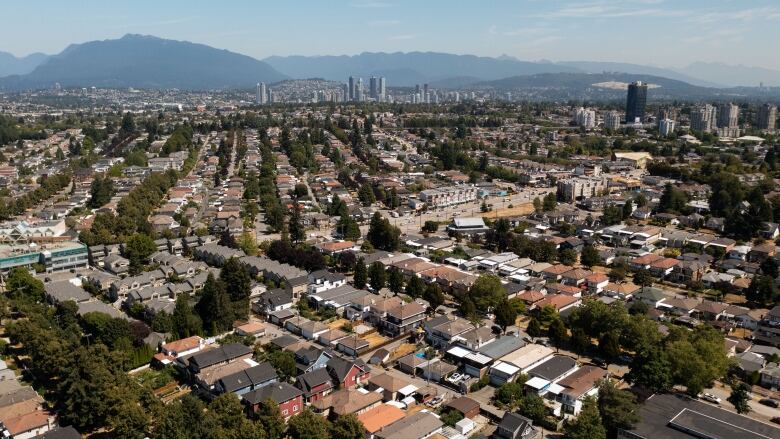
454, 378
598, 361
776, 419
771, 402
435, 402
709, 397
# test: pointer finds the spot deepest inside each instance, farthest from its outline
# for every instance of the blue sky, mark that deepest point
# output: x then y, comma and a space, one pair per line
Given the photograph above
658, 32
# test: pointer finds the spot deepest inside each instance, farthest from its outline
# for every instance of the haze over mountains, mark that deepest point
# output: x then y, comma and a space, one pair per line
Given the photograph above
151, 62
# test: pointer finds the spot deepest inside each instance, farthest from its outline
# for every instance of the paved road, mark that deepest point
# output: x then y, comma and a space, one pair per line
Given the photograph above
757, 410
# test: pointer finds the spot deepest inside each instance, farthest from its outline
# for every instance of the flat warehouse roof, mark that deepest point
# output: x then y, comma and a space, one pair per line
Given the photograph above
702, 425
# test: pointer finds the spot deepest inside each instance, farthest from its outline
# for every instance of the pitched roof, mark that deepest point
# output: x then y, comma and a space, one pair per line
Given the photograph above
380, 416
249, 377
278, 393
219, 354
339, 367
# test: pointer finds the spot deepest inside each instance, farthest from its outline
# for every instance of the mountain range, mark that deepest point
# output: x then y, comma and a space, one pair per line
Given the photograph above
150, 62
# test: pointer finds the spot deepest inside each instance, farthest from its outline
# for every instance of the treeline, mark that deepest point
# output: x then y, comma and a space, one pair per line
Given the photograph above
179, 140
452, 122
49, 186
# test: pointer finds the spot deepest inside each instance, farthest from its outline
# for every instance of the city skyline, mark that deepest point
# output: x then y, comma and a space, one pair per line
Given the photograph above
691, 31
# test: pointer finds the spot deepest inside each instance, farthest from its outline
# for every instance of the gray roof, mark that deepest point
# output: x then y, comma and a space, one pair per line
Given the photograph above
666, 416
278, 393
62, 291
98, 306
553, 368
417, 425
217, 355
501, 347
253, 376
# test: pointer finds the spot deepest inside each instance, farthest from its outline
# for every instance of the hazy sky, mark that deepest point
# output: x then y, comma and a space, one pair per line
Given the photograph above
657, 32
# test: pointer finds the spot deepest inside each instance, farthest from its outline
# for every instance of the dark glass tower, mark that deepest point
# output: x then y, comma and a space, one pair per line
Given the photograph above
635, 102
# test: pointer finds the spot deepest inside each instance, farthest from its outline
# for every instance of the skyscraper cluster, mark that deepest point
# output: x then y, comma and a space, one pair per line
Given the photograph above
355, 91
704, 118
262, 94
585, 117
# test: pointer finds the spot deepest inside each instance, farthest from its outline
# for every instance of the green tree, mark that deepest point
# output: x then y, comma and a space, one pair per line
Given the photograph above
238, 284
21, 284
652, 370
587, 425
284, 363
487, 292
366, 195
533, 407
557, 332
550, 202
214, 306
270, 417
450, 417
740, 395
590, 256
349, 228
643, 277
377, 276
138, 248
609, 344
295, 226
433, 295
307, 425
534, 327
395, 280
761, 291
383, 235
101, 191
697, 357
361, 274
415, 287
430, 226
567, 256
185, 322
347, 427
618, 408
506, 315
510, 394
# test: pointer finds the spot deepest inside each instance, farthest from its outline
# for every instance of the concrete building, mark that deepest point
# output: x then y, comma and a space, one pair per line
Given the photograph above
612, 120
636, 100
704, 118
580, 188
666, 127
767, 117
448, 196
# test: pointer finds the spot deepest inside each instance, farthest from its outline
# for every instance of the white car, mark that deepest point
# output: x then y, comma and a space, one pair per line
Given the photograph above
454, 378
709, 397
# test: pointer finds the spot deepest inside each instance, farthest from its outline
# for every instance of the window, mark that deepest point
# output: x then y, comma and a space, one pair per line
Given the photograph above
295, 408
284, 412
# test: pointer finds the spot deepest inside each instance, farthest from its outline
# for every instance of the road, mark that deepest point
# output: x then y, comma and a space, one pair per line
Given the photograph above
757, 410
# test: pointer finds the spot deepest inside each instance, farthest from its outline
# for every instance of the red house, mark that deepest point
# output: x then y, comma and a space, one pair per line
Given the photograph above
348, 374
289, 398
315, 384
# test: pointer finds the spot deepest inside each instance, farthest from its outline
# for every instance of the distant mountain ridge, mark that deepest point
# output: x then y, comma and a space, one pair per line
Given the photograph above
738, 75
410, 68
12, 65
145, 62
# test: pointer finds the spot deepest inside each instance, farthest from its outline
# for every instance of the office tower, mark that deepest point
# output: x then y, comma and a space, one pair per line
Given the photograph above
612, 120
262, 93
425, 94
382, 88
585, 117
666, 127
636, 101
271, 99
351, 95
457, 96
258, 95
767, 117
703, 118
345, 93
373, 88
359, 90
728, 115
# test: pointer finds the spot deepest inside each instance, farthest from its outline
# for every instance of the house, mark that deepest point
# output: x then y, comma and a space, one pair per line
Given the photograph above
390, 385
345, 402
273, 300
247, 380
216, 356
770, 376
380, 417
663, 267
288, 398
403, 318
561, 302
322, 280
515, 426
653, 297
465, 406
352, 345
315, 384
575, 277
348, 373
519, 361
442, 335
419, 425
596, 282
170, 351
116, 264
579, 385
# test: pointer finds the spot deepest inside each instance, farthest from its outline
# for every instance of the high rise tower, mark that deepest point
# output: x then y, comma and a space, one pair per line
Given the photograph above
636, 101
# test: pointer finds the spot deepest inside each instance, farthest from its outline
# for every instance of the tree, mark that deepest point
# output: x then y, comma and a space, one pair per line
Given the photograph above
248, 243
415, 287
567, 256
609, 344
557, 332
348, 228
532, 406
618, 408
697, 357
395, 280
467, 308
740, 395
284, 363
101, 191
361, 274
383, 235
377, 276
643, 277
450, 417
185, 322
587, 425
487, 292
307, 425
537, 205
214, 306
652, 370
761, 290
270, 417
430, 226
347, 427
225, 418
21, 284
433, 295
550, 202
672, 199
238, 284
506, 315
534, 327
590, 256
509, 394
366, 195
295, 226
138, 248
